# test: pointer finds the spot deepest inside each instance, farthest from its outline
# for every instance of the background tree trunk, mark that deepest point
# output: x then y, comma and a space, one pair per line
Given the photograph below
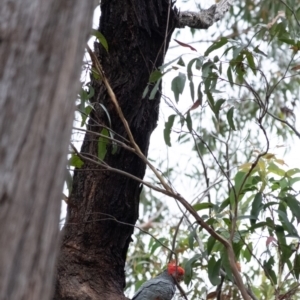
42, 45
94, 248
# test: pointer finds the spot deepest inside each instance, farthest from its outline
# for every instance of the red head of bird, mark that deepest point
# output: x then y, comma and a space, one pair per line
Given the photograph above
175, 271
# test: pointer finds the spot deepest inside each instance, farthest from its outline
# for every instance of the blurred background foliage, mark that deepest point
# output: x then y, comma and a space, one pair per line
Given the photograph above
228, 122
226, 142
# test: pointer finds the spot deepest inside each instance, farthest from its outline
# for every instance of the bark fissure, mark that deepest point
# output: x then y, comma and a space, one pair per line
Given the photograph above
135, 31
93, 253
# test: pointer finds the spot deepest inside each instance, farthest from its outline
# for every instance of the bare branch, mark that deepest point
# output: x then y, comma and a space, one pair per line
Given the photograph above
204, 18
167, 189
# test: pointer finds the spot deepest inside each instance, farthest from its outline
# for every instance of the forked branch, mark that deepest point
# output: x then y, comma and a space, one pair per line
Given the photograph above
168, 189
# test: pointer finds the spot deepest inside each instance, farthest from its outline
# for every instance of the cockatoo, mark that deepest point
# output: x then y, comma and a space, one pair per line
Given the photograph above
161, 287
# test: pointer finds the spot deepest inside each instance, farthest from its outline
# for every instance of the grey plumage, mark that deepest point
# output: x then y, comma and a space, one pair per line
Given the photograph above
161, 287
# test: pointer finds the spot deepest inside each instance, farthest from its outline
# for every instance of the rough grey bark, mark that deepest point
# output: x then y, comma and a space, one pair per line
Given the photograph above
41, 50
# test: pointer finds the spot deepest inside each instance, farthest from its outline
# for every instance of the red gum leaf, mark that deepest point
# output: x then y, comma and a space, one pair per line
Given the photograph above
270, 240
185, 45
296, 68
194, 106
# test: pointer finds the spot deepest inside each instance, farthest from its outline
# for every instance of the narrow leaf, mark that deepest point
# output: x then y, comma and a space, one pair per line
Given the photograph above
102, 144
189, 122
294, 206
155, 75
75, 161
177, 85
230, 118
214, 270
297, 266
100, 38
256, 208
251, 62
216, 45
168, 128
203, 205
155, 89
185, 45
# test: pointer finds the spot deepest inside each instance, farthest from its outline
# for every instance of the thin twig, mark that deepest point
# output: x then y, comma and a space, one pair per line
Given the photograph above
168, 190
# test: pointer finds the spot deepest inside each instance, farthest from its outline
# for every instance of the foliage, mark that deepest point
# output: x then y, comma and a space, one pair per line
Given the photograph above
243, 91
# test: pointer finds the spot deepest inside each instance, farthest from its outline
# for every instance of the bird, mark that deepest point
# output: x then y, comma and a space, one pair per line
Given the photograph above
161, 287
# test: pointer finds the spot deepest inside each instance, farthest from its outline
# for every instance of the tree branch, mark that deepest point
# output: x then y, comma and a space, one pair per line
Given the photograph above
204, 18
167, 188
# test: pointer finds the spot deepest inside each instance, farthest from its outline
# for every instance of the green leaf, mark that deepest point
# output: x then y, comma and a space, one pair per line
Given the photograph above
210, 244
189, 122
288, 41
83, 94
297, 266
199, 62
192, 89
203, 205
155, 89
95, 74
188, 266
100, 38
189, 68
239, 179
214, 270
217, 107
226, 264
155, 75
237, 193
102, 144
230, 118
275, 169
210, 99
84, 116
285, 250
191, 238
216, 45
256, 208
145, 92
293, 171
177, 85
251, 62
207, 68
107, 113
288, 226
224, 204
158, 243
229, 75
294, 180
181, 62
168, 128
248, 252
199, 94
237, 245
237, 51
75, 161
294, 206
257, 50
164, 66
269, 272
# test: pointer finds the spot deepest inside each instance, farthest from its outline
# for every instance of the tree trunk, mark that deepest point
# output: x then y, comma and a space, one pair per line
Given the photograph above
103, 206
42, 45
